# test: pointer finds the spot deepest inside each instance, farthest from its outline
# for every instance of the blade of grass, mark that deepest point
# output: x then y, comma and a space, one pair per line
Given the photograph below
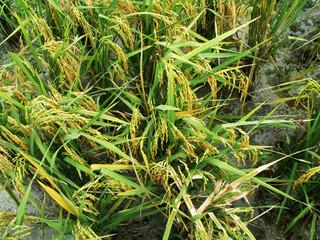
23, 206
125, 180
26, 35
292, 175
313, 225
296, 219
211, 43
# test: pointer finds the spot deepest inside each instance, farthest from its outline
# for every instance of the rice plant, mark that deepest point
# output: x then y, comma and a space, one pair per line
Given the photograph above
303, 167
101, 107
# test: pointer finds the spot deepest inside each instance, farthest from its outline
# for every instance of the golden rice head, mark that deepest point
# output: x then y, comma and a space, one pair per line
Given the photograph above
237, 78
118, 51
13, 138
98, 134
125, 6
232, 136
182, 176
11, 231
5, 162
56, 95
116, 187
305, 177
117, 75
178, 33
18, 93
240, 157
123, 30
163, 131
17, 84
213, 86
87, 200
254, 155
151, 104
6, 75
86, 188
68, 62
6, 218
41, 26
77, 17
161, 134
134, 125
245, 142
88, 103
209, 149
187, 146
20, 174
167, 17
54, 15
160, 175
90, 4
311, 89
245, 151
232, 12
187, 96
72, 154
26, 128
83, 232
48, 115
154, 145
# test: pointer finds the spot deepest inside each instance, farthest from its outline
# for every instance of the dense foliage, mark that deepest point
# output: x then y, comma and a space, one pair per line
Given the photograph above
111, 108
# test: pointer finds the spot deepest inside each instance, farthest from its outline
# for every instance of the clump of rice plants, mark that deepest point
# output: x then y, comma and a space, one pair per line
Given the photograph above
303, 166
101, 109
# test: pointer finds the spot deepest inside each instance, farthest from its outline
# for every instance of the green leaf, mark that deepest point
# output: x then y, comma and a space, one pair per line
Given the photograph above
113, 148
208, 45
23, 206
296, 219
125, 180
79, 166
166, 108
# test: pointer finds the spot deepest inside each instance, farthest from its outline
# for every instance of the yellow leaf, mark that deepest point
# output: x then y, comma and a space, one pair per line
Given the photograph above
282, 100
57, 197
40, 169
112, 166
145, 159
